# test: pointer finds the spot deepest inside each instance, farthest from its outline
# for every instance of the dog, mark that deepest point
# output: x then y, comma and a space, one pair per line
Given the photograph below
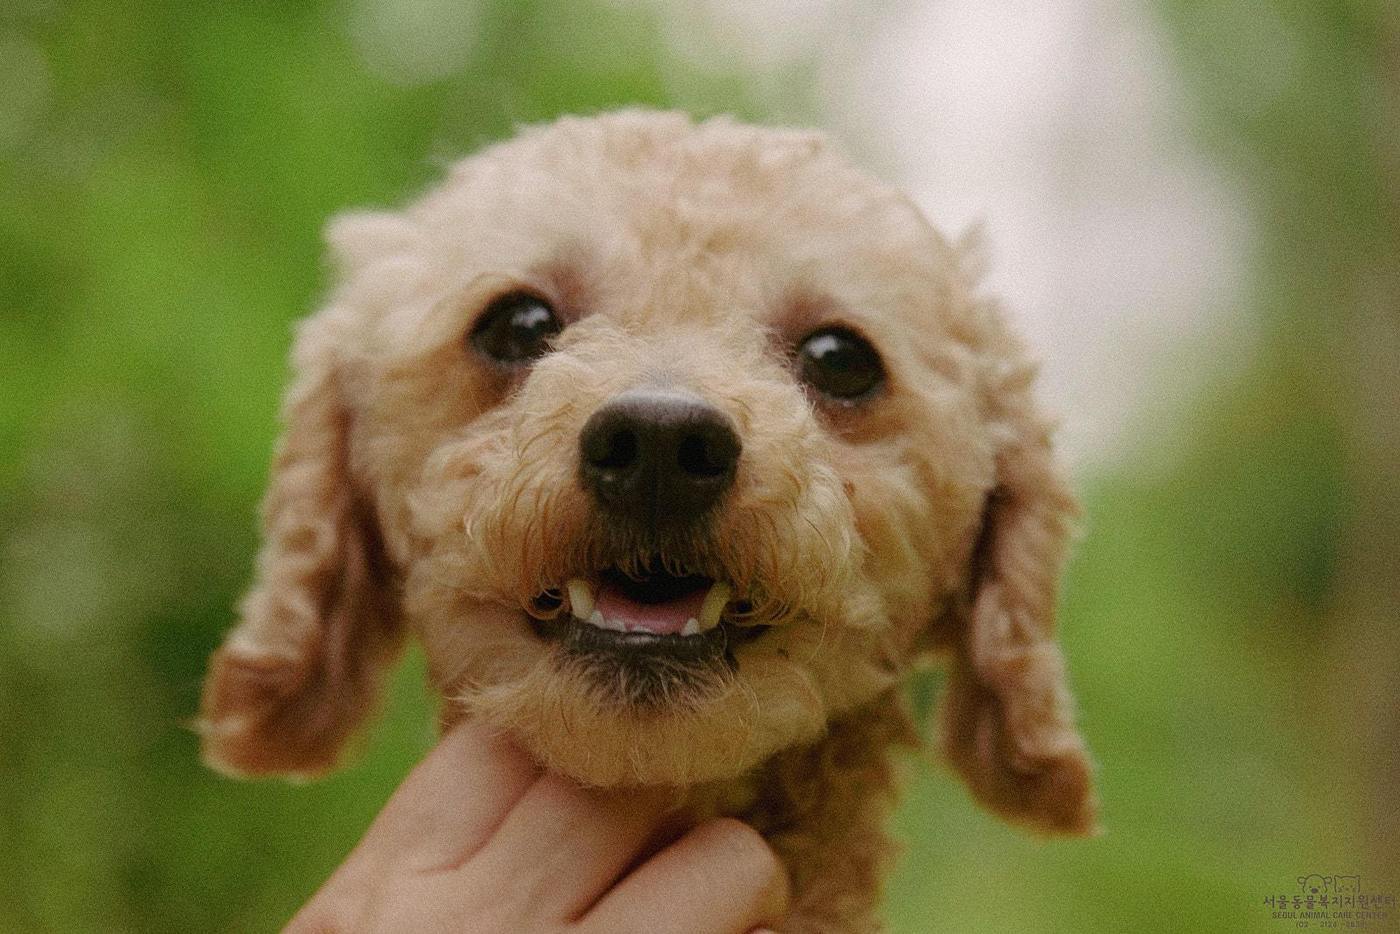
678, 445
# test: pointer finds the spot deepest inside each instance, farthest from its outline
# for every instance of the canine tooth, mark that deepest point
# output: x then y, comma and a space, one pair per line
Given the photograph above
691, 628
713, 606
580, 598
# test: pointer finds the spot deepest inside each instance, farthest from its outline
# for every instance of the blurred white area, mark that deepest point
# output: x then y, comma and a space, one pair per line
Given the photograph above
413, 42
1062, 127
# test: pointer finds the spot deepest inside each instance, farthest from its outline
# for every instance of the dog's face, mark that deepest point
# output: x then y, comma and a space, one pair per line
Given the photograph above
671, 443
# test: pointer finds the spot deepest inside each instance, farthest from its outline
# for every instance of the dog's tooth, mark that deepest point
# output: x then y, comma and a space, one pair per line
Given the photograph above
580, 598
713, 606
691, 628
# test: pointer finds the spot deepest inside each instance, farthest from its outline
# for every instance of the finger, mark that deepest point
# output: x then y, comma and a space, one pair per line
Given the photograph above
451, 802
445, 809
721, 878
563, 845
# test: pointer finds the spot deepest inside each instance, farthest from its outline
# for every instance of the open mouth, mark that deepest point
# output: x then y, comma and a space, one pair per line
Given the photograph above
684, 614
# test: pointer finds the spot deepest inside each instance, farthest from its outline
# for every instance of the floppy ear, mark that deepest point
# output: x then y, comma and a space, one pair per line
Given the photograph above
302, 668
1007, 716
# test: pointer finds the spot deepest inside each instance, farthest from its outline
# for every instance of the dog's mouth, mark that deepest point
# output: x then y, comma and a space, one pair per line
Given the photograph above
652, 609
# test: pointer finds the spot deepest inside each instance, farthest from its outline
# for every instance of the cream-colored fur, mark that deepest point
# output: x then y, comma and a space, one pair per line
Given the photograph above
418, 489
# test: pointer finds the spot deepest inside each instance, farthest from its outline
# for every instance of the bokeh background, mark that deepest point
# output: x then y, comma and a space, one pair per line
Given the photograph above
1195, 215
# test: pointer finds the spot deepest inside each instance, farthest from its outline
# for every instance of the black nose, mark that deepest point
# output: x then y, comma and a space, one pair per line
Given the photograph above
658, 457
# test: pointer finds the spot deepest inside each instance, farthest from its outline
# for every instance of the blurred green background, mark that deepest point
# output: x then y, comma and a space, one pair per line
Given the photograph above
165, 168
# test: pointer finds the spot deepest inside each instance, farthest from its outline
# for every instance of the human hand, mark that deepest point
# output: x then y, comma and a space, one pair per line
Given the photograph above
477, 839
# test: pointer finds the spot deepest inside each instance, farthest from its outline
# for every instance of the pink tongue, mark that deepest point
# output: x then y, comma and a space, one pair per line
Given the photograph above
663, 619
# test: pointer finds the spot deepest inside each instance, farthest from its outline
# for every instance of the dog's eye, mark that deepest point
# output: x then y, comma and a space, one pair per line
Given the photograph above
515, 328
839, 363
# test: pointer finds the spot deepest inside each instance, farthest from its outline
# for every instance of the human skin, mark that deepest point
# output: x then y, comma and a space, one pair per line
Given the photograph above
479, 839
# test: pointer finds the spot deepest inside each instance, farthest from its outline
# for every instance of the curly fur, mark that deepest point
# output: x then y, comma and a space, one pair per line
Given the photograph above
420, 489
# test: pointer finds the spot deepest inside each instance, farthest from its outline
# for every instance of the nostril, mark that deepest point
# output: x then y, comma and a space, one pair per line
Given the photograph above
703, 457
614, 450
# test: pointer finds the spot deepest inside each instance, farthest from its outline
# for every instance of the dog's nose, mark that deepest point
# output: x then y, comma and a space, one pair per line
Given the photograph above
658, 456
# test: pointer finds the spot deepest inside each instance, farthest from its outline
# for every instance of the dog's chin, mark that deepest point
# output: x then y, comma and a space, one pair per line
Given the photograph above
611, 709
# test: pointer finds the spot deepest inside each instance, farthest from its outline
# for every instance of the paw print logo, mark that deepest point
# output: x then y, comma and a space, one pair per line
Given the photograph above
1348, 885
1315, 884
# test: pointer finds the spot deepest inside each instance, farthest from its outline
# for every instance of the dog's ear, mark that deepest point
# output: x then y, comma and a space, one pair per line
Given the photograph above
302, 668
1007, 718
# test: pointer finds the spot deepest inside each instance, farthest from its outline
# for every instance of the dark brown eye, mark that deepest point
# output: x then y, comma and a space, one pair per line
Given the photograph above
515, 328
839, 363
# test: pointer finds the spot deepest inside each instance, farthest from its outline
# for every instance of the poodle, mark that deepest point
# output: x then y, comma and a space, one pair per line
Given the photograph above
678, 445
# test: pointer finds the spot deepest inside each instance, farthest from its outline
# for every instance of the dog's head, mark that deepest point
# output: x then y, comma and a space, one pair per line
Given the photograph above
671, 442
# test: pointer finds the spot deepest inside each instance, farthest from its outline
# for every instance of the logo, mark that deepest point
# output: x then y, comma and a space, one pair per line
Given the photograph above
1331, 901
